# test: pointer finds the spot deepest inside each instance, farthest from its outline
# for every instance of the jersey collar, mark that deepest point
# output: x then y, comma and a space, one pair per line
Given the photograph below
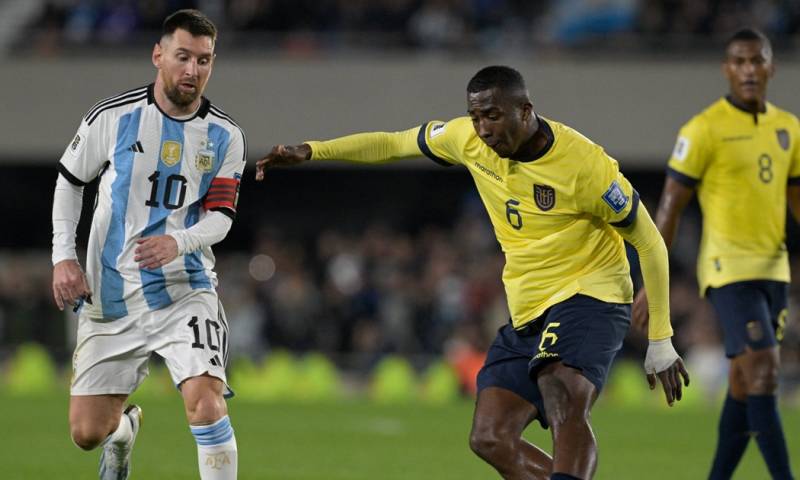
205, 106
551, 138
741, 108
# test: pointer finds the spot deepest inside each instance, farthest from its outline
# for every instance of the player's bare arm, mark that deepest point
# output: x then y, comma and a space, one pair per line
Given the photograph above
69, 283
282, 155
793, 198
673, 201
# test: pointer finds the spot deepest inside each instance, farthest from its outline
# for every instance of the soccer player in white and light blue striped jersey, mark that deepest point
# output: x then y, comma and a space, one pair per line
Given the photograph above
169, 164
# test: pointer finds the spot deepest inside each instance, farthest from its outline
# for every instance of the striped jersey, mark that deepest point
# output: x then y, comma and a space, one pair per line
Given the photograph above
158, 174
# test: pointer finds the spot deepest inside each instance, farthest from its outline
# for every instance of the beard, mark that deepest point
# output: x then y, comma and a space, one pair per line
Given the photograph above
179, 98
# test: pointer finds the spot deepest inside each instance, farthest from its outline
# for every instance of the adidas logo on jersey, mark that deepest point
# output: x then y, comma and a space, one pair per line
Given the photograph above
136, 147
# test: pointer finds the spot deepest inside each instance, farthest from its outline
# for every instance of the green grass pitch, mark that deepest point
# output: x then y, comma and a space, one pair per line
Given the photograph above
361, 440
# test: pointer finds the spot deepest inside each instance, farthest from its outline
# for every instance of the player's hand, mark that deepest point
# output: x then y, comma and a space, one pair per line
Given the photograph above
156, 251
640, 316
282, 155
662, 361
69, 283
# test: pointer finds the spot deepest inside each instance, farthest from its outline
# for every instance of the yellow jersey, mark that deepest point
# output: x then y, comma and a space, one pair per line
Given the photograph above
740, 164
551, 215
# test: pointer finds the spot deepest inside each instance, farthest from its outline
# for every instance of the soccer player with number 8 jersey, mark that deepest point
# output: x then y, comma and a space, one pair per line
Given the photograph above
169, 164
742, 156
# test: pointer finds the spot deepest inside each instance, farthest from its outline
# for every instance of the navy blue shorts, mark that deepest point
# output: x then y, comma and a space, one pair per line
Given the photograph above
581, 332
752, 314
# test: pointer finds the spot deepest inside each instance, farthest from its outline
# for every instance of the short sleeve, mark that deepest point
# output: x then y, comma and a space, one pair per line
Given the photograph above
605, 193
223, 193
690, 157
440, 141
84, 156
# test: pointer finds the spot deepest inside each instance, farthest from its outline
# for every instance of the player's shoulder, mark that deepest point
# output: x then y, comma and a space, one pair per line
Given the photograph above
457, 127
575, 144
218, 115
708, 116
115, 103
784, 116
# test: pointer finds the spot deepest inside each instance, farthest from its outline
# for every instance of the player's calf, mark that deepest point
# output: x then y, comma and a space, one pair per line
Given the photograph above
211, 427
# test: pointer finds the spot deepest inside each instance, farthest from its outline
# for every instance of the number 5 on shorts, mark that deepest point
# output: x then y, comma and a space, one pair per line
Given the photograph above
547, 335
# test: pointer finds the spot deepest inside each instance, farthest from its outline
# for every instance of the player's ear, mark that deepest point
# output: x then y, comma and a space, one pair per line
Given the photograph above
157, 53
527, 111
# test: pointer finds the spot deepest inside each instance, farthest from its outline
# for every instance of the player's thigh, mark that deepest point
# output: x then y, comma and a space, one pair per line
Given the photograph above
110, 357
749, 314
192, 337
504, 379
95, 409
501, 413
568, 395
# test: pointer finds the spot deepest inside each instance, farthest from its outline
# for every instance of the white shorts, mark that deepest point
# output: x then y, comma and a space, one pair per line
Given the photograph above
191, 335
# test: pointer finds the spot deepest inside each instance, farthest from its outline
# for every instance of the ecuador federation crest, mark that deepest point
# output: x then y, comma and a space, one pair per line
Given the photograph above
544, 196
171, 152
783, 138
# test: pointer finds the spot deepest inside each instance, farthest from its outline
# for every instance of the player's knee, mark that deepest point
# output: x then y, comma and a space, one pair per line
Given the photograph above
762, 373
87, 437
205, 408
486, 443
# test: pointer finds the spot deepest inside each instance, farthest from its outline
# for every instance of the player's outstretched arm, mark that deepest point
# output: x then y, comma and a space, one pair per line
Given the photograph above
673, 201
662, 361
282, 155
368, 148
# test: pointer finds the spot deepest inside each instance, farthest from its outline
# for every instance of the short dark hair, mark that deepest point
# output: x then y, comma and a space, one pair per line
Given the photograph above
749, 35
496, 76
191, 20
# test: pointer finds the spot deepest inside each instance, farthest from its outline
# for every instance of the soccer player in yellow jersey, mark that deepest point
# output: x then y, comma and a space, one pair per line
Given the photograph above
742, 156
560, 210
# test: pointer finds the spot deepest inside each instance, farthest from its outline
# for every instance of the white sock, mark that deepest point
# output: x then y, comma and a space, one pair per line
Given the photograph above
216, 450
122, 435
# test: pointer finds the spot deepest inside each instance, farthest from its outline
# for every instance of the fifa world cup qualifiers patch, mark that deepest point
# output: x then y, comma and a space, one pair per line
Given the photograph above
615, 197
77, 145
437, 130
681, 149
76, 142
222, 194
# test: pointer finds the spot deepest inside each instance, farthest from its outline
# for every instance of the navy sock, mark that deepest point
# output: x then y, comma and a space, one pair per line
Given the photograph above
765, 423
563, 476
733, 435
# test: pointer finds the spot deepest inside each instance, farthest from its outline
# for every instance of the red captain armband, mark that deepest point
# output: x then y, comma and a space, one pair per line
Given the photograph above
222, 195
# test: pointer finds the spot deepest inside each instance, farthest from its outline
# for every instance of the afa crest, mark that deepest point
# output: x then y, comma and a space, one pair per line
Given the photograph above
544, 196
171, 152
204, 161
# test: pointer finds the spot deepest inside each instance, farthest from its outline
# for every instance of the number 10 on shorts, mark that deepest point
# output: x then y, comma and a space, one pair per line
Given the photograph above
212, 332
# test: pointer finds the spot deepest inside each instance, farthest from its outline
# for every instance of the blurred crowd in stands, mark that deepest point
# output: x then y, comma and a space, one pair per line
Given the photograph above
310, 26
358, 296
